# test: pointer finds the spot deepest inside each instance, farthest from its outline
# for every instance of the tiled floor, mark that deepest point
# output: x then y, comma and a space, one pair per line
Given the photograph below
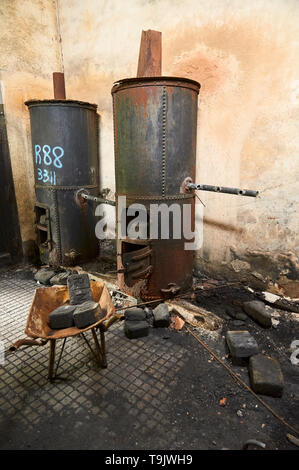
27, 397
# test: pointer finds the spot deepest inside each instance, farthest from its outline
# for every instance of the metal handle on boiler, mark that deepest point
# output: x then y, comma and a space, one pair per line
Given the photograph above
188, 186
83, 194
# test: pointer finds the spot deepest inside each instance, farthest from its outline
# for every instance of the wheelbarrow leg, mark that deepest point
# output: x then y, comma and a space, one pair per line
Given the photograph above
51, 359
98, 347
103, 346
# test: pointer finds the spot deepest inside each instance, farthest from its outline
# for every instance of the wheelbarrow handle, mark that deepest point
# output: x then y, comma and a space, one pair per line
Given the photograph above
27, 342
106, 325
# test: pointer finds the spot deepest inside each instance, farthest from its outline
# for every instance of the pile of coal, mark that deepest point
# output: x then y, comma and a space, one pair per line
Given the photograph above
82, 311
136, 325
138, 320
50, 277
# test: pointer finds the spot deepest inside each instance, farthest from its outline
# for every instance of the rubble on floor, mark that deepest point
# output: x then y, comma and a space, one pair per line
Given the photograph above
120, 299
138, 320
283, 303
235, 310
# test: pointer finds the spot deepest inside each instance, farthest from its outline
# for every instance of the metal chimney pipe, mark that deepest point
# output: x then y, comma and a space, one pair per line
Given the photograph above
59, 86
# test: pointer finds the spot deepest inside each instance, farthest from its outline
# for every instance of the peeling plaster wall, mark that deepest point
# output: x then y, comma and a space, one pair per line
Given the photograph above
29, 53
245, 55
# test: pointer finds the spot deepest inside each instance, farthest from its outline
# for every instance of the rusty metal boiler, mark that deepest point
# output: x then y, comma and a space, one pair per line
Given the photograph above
155, 126
64, 136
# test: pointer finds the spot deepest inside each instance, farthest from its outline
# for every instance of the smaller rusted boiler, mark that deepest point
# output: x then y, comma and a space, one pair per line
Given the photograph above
64, 136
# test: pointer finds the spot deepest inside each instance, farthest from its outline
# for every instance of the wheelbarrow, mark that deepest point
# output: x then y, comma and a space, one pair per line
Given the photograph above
47, 299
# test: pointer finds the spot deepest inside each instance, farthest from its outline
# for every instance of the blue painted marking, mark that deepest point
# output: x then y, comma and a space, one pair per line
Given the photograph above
48, 175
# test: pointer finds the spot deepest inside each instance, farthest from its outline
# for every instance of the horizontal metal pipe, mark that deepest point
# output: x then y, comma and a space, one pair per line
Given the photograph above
223, 189
87, 197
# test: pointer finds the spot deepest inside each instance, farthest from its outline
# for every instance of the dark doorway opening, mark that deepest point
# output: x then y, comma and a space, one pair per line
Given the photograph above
10, 238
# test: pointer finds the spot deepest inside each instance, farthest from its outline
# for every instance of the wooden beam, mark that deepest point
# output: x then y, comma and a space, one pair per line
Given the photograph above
195, 315
150, 54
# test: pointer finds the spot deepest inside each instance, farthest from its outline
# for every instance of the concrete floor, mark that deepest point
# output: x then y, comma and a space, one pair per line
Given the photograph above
158, 392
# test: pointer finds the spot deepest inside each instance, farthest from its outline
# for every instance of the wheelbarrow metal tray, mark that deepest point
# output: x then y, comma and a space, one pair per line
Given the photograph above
47, 299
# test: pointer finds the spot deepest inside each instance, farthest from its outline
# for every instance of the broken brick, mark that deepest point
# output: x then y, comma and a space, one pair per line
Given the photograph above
223, 401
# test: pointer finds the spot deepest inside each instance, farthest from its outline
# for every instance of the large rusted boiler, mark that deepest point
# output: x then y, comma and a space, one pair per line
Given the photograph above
155, 125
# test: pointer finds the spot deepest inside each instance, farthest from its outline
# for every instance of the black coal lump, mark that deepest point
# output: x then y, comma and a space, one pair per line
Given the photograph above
62, 317
79, 288
136, 329
135, 314
86, 314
